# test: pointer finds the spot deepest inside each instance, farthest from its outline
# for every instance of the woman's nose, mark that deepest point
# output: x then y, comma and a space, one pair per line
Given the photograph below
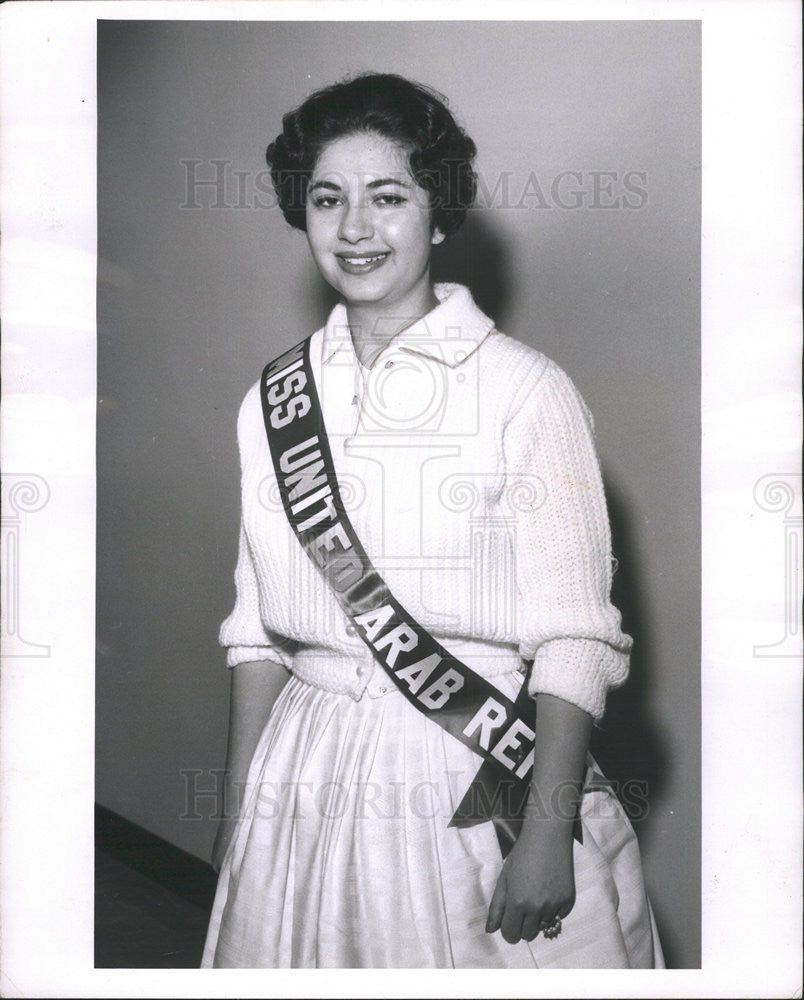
356, 223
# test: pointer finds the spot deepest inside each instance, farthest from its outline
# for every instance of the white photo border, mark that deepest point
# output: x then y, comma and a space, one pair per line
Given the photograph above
751, 323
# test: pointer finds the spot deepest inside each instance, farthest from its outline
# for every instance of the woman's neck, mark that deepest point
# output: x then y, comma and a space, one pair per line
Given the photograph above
373, 327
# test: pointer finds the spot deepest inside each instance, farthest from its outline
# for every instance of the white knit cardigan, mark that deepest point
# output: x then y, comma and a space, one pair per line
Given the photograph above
467, 466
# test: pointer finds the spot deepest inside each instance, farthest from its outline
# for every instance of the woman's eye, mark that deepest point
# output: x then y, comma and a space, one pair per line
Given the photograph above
388, 199
326, 201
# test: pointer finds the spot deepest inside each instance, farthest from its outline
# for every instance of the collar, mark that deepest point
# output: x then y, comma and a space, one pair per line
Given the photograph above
447, 334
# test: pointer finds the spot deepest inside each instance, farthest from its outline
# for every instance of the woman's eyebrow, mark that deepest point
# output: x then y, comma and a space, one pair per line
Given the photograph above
329, 185
387, 180
380, 182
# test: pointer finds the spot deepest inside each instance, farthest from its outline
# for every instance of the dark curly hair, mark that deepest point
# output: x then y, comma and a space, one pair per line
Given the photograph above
408, 113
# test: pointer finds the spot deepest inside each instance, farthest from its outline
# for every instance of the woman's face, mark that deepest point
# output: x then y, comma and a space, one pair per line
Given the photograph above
368, 225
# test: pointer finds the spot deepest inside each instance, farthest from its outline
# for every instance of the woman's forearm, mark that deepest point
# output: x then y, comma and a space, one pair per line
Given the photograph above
562, 739
537, 881
255, 686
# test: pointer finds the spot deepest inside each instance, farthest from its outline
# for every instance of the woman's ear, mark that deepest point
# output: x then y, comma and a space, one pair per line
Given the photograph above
437, 237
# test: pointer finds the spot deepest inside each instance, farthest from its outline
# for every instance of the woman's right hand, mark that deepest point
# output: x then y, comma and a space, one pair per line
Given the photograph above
256, 685
223, 837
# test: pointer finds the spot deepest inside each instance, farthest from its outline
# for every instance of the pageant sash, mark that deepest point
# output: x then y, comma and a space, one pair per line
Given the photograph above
466, 705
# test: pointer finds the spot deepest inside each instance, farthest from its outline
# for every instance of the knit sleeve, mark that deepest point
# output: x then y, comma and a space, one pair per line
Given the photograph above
244, 632
566, 622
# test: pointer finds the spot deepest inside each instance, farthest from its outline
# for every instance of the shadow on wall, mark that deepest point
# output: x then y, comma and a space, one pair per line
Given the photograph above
628, 736
628, 744
476, 257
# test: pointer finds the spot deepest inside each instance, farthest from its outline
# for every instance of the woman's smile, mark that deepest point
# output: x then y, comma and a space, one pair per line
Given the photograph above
361, 263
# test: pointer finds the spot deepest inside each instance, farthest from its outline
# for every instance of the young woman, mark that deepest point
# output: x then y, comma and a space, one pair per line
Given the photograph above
467, 471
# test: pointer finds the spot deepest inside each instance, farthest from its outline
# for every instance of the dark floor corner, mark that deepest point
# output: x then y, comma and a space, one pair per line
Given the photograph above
152, 900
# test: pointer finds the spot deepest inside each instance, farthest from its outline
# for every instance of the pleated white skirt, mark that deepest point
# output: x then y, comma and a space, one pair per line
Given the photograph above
343, 858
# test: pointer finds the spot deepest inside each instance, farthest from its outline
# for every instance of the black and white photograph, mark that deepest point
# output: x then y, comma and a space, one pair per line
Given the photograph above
400, 508
453, 309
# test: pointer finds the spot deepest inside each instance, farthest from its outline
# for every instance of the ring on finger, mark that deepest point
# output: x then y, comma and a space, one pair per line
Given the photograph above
551, 929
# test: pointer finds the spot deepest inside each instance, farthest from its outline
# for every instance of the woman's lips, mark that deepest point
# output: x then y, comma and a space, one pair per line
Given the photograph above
361, 263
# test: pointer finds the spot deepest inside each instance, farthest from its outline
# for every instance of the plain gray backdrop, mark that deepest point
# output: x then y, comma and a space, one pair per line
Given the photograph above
585, 244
